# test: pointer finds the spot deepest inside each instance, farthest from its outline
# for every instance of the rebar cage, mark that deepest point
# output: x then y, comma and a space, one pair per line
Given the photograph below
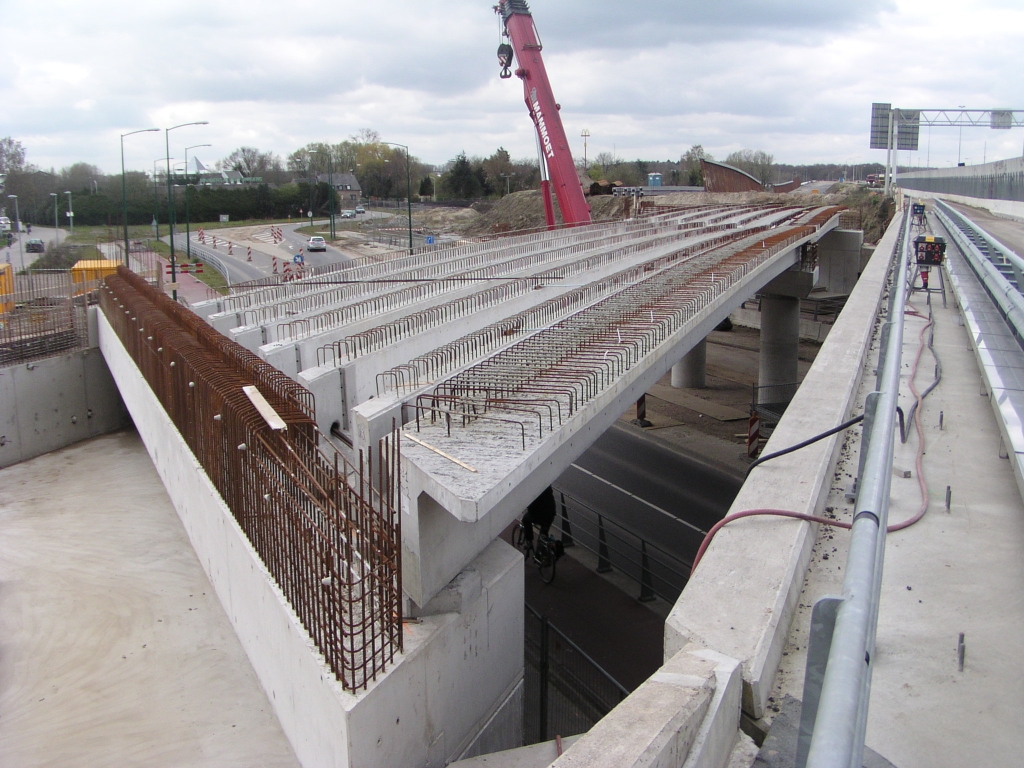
328, 531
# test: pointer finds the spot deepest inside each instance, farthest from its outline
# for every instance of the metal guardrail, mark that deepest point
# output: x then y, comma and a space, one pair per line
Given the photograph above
211, 258
1006, 297
841, 651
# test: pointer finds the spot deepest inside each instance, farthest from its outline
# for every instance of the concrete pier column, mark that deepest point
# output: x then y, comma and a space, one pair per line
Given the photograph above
780, 337
691, 371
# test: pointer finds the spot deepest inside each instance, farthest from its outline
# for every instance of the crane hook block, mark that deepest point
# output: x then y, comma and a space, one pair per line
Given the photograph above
505, 60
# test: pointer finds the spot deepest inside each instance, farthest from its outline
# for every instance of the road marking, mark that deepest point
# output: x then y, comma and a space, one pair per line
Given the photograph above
655, 507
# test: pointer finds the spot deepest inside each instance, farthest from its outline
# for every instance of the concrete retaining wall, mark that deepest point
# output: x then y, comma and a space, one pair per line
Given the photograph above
1010, 208
999, 180
457, 687
51, 403
741, 600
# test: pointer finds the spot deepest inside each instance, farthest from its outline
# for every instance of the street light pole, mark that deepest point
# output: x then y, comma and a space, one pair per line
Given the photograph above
17, 223
71, 213
170, 201
56, 229
124, 192
586, 135
408, 185
188, 222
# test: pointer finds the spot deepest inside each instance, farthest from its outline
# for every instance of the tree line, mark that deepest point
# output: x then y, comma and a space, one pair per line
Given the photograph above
291, 185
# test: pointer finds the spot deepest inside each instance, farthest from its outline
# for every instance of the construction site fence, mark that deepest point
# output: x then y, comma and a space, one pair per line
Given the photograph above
565, 691
327, 530
42, 314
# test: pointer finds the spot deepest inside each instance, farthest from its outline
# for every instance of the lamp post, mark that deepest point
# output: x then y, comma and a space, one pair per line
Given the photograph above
188, 222
56, 231
124, 192
585, 135
170, 200
71, 213
508, 182
408, 185
17, 224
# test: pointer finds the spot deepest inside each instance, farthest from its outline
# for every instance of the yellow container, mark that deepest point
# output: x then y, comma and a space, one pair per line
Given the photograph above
89, 271
6, 288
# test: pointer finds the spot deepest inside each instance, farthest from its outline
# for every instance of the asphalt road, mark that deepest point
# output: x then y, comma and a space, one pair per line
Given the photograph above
677, 488
12, 254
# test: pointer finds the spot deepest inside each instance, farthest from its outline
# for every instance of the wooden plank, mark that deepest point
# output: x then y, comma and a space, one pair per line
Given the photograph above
274, 421
684, 399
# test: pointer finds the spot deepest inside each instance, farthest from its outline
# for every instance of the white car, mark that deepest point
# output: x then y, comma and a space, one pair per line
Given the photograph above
5, 224
316, 243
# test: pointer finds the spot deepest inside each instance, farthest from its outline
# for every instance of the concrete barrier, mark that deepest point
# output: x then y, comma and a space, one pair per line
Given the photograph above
741, 600
685, 714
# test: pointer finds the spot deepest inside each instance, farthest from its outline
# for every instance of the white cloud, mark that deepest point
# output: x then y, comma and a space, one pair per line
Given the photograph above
793, 77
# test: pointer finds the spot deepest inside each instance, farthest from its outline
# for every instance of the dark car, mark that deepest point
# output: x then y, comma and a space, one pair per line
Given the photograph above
35, 246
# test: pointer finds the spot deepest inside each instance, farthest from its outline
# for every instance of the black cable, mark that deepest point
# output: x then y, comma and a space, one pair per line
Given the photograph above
805, 443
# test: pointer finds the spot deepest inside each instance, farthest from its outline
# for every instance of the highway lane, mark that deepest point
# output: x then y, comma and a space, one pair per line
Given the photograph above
675, 486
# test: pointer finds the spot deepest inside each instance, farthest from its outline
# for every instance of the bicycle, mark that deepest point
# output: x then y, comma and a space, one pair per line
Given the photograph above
544, 554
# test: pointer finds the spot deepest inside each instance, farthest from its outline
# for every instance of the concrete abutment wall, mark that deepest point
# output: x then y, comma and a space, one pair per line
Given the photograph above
456, 689
57, 401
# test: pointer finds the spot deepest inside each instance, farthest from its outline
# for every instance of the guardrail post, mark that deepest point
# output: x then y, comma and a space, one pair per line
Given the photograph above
604, 565
646, 587
543, 674
567, 540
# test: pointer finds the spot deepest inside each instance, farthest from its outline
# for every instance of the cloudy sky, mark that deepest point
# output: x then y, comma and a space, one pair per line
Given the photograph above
647, 78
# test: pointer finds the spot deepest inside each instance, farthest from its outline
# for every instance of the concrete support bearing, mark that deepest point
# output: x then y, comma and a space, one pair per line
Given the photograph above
780, 337
691, 371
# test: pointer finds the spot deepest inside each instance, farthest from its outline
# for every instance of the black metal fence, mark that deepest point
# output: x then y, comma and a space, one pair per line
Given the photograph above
565, 691
656, 571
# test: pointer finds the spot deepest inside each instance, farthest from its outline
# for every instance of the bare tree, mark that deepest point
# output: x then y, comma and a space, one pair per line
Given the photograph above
12, 155
756, 162
250, 162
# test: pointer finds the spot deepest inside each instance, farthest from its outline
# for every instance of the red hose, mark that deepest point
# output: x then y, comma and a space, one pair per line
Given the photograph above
837, 523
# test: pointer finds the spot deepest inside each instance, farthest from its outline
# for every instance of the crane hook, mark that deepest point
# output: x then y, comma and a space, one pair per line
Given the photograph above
505, 60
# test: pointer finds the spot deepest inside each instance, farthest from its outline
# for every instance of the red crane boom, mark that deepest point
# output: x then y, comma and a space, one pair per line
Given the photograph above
555, 157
